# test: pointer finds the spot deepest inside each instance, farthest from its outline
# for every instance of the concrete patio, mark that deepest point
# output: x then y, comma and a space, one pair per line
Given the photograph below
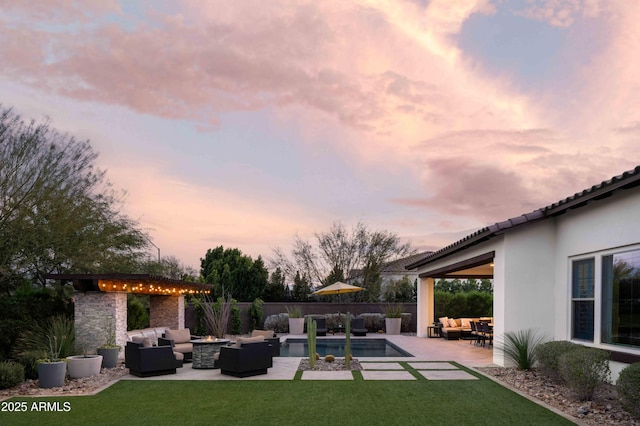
431, 357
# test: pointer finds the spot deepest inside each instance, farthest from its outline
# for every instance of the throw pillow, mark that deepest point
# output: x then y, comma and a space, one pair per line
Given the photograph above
444, 321
452, 323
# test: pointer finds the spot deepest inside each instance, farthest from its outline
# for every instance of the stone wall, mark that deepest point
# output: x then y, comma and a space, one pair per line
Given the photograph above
93, 311
167, 311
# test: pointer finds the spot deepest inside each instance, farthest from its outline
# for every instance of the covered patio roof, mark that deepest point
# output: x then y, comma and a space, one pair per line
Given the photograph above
132, 283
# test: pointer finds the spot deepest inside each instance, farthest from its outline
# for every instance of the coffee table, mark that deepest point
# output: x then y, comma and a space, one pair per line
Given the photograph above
204, 351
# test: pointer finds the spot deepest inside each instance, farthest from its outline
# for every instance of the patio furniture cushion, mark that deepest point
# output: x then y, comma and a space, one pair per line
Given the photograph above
265, 333
178, 336
244, 340
145, 341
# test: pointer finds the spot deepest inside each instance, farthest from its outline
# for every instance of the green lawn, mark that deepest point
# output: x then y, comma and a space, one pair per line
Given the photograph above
247, 402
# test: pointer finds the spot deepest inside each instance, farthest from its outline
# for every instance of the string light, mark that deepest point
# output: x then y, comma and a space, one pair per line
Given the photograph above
144, 288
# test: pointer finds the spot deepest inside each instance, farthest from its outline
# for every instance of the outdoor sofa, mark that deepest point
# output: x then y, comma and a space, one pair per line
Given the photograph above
458, 328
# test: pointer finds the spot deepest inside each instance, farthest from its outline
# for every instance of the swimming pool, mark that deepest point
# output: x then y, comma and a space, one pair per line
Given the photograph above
361, 348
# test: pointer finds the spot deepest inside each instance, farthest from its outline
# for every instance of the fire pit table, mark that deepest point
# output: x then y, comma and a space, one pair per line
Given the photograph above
204, 350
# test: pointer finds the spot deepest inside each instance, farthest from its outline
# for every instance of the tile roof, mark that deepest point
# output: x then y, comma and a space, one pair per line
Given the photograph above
626, 180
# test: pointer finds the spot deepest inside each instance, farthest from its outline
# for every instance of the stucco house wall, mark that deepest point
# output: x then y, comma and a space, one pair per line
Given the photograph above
533, 255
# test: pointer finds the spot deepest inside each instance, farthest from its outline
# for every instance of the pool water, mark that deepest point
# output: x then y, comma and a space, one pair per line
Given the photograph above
361, 348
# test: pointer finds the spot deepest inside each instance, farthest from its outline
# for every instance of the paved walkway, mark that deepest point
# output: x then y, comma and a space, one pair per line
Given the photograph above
431, 359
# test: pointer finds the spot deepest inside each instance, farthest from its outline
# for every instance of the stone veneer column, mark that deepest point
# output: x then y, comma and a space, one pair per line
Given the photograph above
92, 311
167, 311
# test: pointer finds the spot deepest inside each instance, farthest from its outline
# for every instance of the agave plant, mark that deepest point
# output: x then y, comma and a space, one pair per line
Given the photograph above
520, 347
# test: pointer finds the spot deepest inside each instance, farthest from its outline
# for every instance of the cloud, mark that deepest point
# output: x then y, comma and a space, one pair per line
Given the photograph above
561, 13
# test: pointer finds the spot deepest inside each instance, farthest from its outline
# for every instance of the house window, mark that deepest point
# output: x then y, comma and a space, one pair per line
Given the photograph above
621, 299
582, 299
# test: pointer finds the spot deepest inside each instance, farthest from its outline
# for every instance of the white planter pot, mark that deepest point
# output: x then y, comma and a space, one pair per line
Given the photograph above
393, 325
80, 366
296, 325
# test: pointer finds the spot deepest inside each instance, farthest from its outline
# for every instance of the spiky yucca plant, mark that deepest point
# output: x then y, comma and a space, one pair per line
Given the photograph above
521, 346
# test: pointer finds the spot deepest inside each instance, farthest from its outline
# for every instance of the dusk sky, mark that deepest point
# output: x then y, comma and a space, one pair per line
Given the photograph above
243, 123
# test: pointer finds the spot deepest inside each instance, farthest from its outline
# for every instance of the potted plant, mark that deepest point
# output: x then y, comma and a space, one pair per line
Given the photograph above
296, 320
84, 365
109, 350
52, 370
393, 318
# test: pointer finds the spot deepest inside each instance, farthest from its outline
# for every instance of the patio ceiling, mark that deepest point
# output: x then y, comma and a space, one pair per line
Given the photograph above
132, 283
480, 267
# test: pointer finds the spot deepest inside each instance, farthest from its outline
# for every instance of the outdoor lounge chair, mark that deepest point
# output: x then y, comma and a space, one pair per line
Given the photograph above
269, 336
321, 327
145, 361
180, 341
358, 328
245, 359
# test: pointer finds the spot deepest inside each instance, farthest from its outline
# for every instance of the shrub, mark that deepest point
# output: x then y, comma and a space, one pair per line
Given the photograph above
29, 361
549, 354
279, 323
137, 313
583, 369
256, 313
628, 387
329, 358
11, 374
520, 347
38, 337
236, 320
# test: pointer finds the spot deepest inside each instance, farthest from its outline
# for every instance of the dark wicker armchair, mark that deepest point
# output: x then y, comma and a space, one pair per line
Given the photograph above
150, 361
250, 359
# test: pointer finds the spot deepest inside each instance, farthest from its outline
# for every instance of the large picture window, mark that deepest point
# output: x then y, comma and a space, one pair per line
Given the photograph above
582, 299
621, 299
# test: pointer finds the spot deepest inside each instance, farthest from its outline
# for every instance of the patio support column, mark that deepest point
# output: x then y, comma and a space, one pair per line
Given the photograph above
93, 310
425, 305
167, 311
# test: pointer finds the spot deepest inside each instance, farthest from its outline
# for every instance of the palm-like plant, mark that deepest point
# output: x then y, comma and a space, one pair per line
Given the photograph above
520, 347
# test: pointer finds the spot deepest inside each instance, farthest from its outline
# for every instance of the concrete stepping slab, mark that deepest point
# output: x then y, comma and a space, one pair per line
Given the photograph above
433, 366
381, 366
327, 375
447, 375
387, 375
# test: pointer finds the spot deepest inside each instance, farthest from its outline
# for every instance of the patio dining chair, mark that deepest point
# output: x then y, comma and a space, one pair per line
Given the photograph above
474, 333
487, 332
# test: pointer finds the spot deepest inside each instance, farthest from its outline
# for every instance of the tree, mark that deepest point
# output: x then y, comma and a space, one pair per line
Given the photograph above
169, 267
58, 213
238, 274
340, 251
301, 288
399, 291
276, 288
